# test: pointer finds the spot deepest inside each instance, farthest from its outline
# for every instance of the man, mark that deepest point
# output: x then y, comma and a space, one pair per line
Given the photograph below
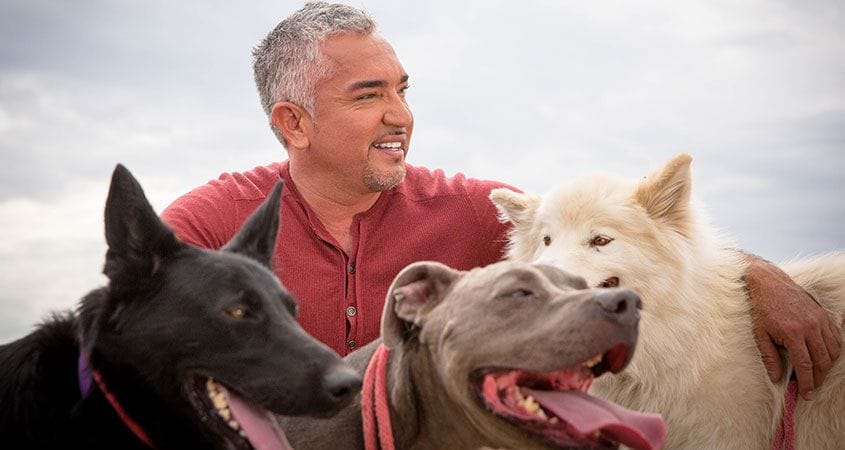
354, 214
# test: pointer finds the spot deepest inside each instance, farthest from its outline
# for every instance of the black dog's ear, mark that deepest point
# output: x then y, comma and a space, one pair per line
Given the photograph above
414, 292
138, 240
257, 236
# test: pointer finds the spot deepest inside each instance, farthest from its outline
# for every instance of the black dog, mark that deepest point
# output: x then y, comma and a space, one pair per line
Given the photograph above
185, 347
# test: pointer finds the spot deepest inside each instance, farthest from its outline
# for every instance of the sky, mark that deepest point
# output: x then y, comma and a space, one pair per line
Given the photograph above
531, 93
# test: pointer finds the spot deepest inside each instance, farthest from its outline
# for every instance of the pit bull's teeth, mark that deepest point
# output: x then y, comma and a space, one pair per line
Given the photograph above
531, 406
593, 361
554, 420
242, 433
224, 413
233, 424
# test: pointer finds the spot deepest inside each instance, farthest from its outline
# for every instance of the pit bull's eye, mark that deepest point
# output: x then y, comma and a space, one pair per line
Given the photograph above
237, 311
600, 241
520, 294
547, 240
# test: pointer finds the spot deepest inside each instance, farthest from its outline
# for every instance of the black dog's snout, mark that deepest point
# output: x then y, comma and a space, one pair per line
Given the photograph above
620, 305
342, 383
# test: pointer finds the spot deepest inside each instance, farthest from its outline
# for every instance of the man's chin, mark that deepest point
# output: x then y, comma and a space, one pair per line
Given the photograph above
384, 180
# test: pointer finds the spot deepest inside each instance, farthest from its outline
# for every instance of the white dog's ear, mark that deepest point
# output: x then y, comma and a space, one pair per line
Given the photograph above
665, 194
415, 291
515, 207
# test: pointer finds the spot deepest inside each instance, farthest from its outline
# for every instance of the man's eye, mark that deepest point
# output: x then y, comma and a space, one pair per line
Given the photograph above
600, 241
404, 90
366, 96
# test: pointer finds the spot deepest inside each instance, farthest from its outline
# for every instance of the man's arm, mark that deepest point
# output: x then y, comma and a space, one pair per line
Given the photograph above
784, 315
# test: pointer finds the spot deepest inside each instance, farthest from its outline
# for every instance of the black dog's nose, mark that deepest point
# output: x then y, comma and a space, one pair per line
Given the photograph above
620, 305
341, 383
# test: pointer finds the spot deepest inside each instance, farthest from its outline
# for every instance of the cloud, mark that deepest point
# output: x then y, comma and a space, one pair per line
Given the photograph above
532, 94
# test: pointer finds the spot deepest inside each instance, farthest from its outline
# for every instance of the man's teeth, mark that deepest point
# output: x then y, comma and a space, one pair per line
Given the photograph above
389, 145
218, 396
592, 361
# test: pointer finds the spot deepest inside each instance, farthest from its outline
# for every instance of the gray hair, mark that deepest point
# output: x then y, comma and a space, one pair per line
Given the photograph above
287, 63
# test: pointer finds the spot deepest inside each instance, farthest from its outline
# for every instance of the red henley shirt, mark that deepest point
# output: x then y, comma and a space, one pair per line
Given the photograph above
428, 216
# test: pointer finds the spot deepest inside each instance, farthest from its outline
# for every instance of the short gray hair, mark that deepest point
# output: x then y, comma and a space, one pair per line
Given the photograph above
287, 63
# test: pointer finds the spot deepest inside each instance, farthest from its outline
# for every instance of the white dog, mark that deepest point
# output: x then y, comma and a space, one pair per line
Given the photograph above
697, 362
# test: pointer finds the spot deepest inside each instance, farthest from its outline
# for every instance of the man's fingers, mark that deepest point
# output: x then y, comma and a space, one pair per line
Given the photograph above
803, 366
817, 346
833, 340
770, 354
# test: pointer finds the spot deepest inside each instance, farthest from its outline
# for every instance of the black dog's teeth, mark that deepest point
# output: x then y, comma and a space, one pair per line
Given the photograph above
219, 399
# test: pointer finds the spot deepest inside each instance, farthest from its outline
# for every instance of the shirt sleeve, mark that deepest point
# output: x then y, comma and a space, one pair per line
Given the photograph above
203, 217
492, 230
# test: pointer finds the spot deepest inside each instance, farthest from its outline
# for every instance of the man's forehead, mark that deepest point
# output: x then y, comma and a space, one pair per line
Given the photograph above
350, 46
361, 58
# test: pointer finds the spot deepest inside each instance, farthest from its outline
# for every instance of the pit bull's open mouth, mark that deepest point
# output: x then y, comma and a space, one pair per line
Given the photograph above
239, 423
556, 405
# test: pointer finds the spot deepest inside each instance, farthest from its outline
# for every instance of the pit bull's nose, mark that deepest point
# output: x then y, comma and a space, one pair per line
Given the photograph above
620, 305
342, 383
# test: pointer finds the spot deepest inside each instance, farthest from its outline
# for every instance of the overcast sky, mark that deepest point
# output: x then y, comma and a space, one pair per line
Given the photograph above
530, 92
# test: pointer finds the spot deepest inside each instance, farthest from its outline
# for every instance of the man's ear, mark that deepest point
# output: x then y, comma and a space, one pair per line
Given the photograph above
138, 241
515, 207
415, 291
665, 194
290, 119
257, 236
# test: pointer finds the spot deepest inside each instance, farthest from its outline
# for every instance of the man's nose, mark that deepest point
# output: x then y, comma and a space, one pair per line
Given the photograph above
398, 113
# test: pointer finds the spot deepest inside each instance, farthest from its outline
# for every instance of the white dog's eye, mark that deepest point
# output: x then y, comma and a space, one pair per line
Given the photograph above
547, 240
600, 240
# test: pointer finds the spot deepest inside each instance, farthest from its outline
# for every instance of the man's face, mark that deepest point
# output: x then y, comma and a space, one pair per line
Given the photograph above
363, 124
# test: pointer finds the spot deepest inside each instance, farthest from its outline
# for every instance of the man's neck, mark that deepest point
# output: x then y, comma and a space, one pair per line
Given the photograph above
334, 204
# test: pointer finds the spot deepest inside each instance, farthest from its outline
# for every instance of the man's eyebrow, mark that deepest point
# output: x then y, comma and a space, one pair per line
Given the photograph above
366, 84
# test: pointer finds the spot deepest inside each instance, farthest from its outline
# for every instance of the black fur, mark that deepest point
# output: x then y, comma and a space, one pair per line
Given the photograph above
171, 316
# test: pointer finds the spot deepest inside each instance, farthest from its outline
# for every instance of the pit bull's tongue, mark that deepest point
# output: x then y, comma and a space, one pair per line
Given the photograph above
260, 427
587, 414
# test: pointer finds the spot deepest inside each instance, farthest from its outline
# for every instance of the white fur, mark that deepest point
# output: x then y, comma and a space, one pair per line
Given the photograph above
696, 361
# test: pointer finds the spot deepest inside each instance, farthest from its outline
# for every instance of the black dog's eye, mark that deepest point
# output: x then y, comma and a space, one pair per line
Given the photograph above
600, 240
547, 240
237, 311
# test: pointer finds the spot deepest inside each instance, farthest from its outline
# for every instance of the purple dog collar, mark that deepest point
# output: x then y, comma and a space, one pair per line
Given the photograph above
83, 370
87, 377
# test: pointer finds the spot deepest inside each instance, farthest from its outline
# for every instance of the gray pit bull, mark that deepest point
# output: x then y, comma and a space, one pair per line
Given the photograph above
497, 357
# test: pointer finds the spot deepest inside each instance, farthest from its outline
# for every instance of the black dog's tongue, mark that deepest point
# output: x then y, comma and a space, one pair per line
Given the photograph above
587, 414
260, 426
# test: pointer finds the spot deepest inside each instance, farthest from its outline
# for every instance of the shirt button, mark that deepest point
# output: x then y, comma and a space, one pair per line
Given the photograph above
350, 268
351, 311
351, 344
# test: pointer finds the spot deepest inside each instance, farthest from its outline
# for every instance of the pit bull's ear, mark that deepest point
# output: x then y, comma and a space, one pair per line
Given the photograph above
137, 239
257, 237
414, 292
665, 194
515, 207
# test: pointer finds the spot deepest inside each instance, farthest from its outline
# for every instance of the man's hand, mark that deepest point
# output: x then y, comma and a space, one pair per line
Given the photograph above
784, 315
